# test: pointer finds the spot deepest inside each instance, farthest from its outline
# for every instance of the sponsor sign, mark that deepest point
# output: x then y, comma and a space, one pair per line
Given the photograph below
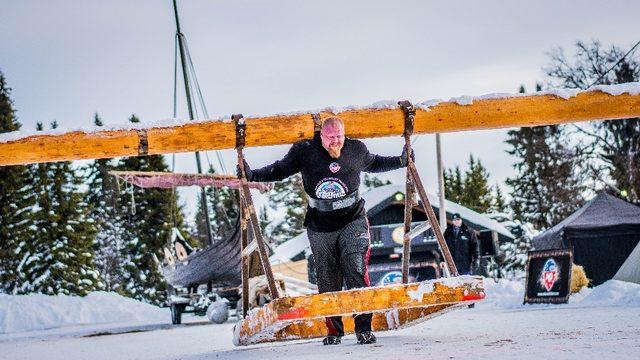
392, 277
548, 276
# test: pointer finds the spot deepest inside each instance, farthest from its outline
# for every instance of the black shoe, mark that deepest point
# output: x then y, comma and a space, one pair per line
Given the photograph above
332, 340
366, 337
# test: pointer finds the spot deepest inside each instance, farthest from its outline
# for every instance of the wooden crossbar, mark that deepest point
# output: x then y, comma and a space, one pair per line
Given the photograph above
417, 230
285, 129
253, 246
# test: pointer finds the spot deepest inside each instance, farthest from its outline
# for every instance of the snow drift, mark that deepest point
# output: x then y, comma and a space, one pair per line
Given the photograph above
21, 313
507, 294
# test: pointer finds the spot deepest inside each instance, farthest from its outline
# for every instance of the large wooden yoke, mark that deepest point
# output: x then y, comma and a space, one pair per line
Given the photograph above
494, 113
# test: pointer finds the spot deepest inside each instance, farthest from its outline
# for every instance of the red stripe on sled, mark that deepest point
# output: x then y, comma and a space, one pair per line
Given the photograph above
294, 314
469, 297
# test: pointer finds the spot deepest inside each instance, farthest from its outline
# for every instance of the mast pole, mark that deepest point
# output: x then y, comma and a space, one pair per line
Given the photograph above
187, 89
441, 209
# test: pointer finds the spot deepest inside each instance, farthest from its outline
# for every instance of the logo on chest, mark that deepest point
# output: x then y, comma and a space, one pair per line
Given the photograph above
334, 167
331, 188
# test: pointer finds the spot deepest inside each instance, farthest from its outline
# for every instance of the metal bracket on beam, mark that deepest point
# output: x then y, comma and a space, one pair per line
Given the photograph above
317, 122
409, 115
143, 146
241, 130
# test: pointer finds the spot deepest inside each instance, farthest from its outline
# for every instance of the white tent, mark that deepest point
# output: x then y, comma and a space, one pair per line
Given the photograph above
630, 269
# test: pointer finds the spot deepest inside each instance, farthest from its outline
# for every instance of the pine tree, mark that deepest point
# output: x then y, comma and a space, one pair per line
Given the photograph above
615, 144
372, 181
264, 219
545, 189
290, 196
477, 194
514, 254
470, 189
453, 185
102, 197
61, 256
16, 201
499, 204
148, 216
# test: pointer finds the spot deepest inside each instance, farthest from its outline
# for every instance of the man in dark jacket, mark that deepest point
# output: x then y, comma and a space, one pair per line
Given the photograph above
462, 243
336, 221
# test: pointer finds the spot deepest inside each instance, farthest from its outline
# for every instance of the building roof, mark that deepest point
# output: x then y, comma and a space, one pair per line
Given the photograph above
372, 198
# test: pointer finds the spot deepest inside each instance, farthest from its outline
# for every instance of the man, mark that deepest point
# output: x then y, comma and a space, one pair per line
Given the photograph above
462, 243
336, 221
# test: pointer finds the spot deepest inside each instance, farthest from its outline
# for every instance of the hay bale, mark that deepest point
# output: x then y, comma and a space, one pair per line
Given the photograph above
578, 278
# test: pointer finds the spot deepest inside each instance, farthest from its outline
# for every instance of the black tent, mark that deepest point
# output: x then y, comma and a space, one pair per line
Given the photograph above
602, 234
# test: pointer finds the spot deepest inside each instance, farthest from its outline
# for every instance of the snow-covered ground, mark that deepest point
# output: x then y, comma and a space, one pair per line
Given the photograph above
603, 322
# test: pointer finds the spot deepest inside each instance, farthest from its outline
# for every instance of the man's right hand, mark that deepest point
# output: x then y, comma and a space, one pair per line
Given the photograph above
404, 159
247, 170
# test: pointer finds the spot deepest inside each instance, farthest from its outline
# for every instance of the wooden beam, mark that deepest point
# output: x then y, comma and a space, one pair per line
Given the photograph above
285, 129
283, 318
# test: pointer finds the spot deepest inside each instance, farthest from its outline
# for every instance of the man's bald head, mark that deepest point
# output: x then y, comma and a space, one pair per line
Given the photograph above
332, 135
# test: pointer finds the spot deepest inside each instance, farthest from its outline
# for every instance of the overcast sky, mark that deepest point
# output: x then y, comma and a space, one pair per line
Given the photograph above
66, 60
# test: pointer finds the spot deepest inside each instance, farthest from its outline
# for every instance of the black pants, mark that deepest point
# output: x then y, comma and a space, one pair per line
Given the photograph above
341, 257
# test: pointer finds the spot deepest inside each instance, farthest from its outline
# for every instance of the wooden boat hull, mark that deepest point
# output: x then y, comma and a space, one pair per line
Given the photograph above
219, 264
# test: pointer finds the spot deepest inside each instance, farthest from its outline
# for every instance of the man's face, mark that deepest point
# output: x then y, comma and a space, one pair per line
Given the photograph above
457, 222
332, 136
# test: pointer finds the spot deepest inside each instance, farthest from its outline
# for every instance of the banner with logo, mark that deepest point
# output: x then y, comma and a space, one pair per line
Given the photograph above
548, 276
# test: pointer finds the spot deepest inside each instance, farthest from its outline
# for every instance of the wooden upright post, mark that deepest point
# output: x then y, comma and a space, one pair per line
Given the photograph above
244, 241
409, 114
250, 208
431, 215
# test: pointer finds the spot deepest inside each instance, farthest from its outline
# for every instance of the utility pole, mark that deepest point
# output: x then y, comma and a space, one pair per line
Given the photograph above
442, 211
187, 88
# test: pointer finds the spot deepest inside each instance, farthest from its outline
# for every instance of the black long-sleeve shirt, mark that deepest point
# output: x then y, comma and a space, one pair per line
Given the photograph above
327, 178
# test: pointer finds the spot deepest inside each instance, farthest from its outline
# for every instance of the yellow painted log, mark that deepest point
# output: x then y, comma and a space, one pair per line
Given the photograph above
285, 129
394, 306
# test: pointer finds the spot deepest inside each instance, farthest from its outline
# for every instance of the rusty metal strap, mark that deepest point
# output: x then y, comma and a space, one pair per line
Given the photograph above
317, 122
241, 130
409, 114
143, 145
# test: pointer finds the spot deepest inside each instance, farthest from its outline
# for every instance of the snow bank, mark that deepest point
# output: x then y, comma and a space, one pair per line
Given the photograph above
504, 294
509, 294
20, 313
612, 293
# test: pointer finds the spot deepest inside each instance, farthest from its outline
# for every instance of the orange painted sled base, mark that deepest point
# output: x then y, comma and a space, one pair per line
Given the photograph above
393, 306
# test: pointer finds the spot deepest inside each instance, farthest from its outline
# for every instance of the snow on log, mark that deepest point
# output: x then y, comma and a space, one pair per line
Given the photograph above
378, 120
